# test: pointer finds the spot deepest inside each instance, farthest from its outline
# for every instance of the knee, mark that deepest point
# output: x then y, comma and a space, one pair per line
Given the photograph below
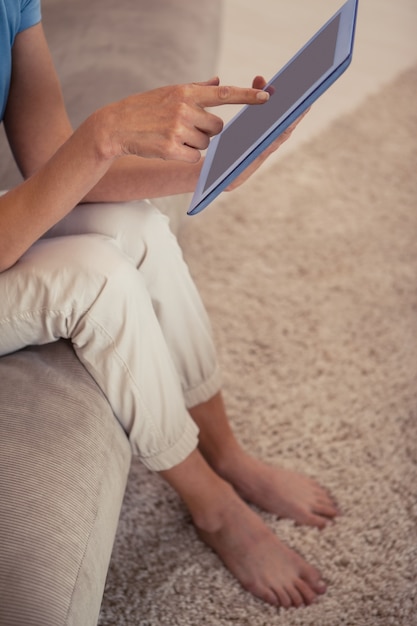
60, 284
95, 252
75, 268
142, 231
163, 252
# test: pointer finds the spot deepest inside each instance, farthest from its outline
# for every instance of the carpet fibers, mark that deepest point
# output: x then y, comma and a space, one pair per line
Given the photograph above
309, 273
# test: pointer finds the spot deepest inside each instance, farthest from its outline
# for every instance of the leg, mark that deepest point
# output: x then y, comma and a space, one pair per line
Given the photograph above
264, 566
186, 329
83, 288
142, 233
273, 489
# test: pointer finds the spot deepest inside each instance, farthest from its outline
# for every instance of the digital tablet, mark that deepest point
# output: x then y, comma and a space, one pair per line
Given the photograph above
292, 90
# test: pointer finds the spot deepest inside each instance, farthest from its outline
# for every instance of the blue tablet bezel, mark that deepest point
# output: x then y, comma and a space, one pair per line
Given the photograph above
342, 59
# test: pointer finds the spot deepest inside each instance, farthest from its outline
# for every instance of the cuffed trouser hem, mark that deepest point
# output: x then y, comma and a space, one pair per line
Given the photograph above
176, 453
206, 390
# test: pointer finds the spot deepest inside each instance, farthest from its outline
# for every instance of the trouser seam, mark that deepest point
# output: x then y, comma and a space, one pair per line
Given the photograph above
32, 312
123, 364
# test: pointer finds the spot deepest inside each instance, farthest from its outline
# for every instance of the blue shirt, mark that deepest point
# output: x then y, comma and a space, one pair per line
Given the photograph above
15, 16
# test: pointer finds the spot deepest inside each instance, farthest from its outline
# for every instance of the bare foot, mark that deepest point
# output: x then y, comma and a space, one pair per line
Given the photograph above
263, 565
280, 491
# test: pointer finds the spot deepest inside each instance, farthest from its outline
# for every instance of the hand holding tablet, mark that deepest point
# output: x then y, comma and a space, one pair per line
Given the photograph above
292, 91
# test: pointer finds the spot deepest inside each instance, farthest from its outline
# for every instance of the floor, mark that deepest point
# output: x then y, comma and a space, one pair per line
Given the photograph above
259, 37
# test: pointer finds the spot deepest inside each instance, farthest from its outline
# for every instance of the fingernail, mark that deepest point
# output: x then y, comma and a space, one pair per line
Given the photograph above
263, 96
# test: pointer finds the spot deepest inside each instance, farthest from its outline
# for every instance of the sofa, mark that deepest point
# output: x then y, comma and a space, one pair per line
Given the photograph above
64, 458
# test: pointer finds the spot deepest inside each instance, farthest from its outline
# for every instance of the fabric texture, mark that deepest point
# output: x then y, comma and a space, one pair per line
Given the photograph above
64, 462
15, 16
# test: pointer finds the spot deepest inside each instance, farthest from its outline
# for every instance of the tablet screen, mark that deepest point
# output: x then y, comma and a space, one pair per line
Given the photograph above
286, 89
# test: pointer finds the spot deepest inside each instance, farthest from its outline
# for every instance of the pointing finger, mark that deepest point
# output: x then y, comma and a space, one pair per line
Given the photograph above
210, 96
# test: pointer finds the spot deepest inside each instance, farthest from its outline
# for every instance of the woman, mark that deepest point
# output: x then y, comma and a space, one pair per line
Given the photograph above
81, 257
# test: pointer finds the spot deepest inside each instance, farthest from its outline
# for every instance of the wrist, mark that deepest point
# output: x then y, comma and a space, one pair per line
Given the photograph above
97, 129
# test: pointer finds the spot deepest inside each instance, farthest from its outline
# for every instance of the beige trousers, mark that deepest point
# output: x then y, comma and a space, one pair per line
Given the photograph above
112, 279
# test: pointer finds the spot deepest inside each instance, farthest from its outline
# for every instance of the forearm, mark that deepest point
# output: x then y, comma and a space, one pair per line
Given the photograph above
133, 178
146, 145
33, 207
82, 170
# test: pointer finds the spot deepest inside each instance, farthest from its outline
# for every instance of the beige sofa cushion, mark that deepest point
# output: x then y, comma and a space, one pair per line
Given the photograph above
64, 461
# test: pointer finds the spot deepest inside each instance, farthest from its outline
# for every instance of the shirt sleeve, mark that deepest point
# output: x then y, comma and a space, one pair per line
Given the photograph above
30, 13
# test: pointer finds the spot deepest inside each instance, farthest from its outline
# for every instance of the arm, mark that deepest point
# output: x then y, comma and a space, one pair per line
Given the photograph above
37, 124
145, 145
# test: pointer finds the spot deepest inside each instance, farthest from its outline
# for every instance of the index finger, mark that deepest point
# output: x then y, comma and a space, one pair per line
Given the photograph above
211, 96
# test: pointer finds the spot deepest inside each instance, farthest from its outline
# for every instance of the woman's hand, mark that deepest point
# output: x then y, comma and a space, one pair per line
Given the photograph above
169, 122
259, 83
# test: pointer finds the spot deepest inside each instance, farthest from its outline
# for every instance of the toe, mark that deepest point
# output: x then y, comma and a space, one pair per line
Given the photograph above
297, 598
268, 596
306, 592
263, 592
283, 597
327, 500
317, 584
326, 510
312, 577
312, 519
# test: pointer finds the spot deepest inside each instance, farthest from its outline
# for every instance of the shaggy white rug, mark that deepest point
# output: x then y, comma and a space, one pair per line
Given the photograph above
309, 273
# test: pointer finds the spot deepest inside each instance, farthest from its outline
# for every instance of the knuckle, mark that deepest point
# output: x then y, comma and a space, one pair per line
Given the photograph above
170, 143
184, 92
181, 109
177, 95
173, 138
170, 151
178, 90
224, 92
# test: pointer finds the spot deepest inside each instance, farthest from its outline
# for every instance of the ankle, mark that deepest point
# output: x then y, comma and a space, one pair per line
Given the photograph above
222, 459
205, 494
229, 462
209, 516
